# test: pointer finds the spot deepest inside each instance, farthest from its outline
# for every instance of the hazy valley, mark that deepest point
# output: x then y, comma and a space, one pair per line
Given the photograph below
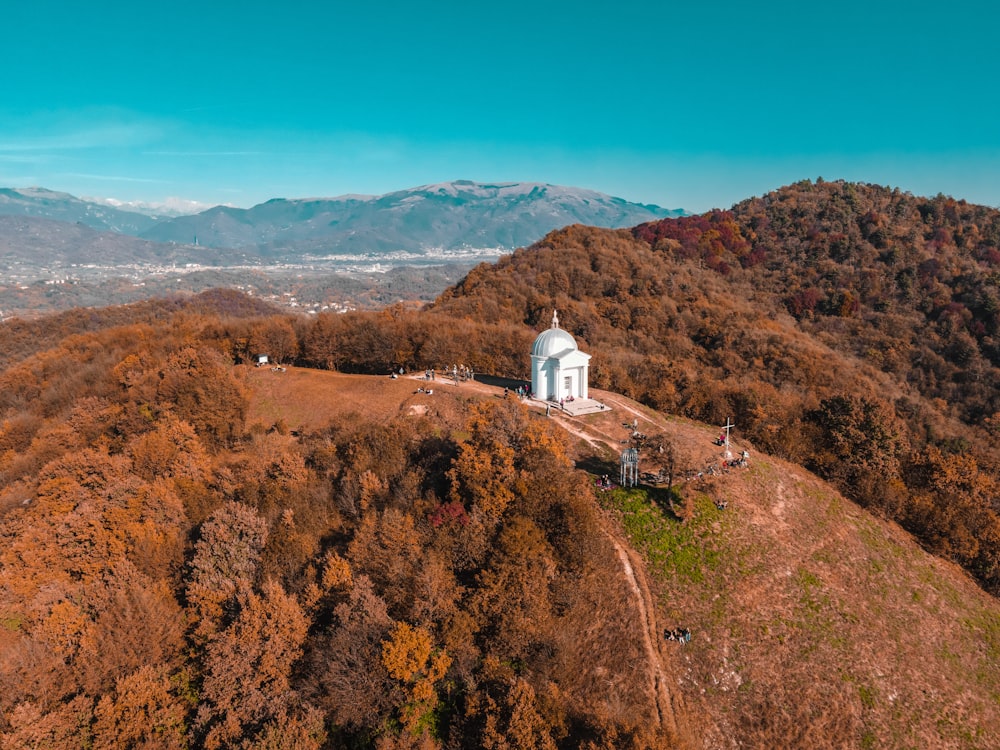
58, 251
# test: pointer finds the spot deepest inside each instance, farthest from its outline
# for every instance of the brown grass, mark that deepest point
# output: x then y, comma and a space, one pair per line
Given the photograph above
310, 399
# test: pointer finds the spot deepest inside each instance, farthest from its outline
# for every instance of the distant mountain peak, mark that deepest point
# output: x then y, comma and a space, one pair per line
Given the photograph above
40, 192
444, 216
441, 216
167, 208
504, 189
43, 203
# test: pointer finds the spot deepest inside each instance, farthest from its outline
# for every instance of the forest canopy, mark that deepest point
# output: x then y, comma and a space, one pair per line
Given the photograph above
172, 576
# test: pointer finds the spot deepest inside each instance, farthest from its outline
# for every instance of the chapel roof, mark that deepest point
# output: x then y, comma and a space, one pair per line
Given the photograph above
553, 341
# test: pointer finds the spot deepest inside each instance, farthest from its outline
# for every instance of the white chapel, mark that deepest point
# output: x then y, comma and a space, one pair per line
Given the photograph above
559, 370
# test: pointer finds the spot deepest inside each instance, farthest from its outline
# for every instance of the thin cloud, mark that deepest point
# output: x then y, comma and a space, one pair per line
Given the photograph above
16, 180
19, 159
210, 154
78, 130
112, 177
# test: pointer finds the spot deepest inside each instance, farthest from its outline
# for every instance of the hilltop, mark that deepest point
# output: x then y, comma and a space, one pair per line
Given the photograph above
430, 568
849, 328
177, 569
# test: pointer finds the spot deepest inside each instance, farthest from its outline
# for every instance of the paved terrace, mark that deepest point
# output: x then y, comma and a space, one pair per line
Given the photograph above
576, 407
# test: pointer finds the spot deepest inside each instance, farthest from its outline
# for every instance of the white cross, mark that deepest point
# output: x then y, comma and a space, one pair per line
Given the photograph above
727, 427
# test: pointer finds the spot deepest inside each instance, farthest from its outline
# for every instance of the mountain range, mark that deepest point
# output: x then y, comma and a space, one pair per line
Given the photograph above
449, 216
49, 204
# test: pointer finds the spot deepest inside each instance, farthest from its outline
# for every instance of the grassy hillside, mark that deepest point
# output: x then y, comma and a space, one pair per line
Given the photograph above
815, 624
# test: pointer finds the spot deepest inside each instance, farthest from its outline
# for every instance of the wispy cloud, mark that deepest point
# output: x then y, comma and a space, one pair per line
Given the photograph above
88, 129
19, 180
23, 159
111, 177
209, 154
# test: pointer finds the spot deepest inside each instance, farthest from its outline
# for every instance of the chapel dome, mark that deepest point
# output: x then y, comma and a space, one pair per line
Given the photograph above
553, 341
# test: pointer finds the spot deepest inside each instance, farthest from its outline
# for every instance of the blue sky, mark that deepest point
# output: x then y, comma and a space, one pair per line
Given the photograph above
692, 105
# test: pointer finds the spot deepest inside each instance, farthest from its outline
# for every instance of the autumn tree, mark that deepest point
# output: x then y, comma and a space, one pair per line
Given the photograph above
505, 714
275, 337
857, 444
512, 598
388, 548
199, 385
66, 727
411, 659
134, 622
247, 667
505, 442
141, 712
352, 684
225, 563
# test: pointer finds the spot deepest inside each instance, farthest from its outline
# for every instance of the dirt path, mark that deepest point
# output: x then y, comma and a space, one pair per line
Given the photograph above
671, 713
670, 710
573, 428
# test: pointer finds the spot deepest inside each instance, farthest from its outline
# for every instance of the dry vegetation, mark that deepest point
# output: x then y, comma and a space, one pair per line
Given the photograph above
815, 624
177, 569
198, 553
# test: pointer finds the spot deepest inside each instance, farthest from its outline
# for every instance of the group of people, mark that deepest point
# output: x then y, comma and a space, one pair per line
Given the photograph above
521, 391
458, 373
741, 462
683, 635
565, 400
461, 373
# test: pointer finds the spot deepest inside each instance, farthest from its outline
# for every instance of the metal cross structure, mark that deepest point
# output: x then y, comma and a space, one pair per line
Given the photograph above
727, 427
630, 468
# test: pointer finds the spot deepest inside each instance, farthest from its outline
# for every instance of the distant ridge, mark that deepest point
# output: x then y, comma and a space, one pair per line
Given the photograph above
49, 204
448, 216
